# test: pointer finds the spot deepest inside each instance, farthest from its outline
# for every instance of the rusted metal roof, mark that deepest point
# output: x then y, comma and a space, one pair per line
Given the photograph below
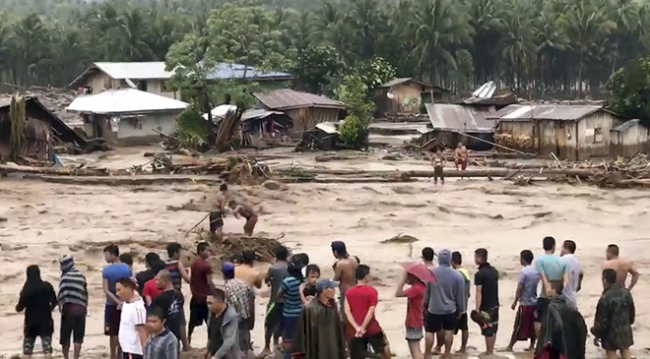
286, 99
403, 80
459, 118
546, 112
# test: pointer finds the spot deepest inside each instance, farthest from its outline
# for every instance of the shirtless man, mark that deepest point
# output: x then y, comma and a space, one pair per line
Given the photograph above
621, 266
344, 269
217, 216
438, 163
246, 272
244, 210
461, 156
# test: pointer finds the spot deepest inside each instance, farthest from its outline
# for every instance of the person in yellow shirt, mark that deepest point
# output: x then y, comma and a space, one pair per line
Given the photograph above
456, 263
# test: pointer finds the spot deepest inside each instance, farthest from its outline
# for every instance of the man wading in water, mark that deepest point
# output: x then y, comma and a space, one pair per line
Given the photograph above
438, 163
245, 210
217, 216
344, 269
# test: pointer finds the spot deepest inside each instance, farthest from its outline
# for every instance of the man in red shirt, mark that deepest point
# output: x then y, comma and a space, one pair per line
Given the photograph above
201, 286
150, 289
360, 304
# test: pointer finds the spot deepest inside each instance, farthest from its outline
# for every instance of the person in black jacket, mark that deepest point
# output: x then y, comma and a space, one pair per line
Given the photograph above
37, 299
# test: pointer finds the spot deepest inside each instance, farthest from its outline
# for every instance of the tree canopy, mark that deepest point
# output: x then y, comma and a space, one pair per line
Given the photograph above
553, 47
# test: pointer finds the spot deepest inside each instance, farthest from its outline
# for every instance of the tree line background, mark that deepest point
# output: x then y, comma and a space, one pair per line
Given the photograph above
547, 48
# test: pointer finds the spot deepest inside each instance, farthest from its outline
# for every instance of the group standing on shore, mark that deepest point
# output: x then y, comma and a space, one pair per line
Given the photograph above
144, 314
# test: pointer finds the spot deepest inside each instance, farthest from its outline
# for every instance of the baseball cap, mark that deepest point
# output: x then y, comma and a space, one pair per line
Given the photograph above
325, 283
227, 267
338, 246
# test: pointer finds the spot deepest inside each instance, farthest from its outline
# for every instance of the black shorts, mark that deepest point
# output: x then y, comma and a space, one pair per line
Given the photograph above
438, 172
131, 356
73, 325
273, 320
111, 320
216, 220
434, 323
359, 346
461, 324
542, 307
493, 323
198, 312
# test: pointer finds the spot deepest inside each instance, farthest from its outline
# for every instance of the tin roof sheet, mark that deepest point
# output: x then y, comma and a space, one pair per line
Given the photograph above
286, 99
125, 101
459, 118
545, 112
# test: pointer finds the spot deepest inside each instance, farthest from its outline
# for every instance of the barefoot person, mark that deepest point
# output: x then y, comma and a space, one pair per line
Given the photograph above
526, 296
273, 321
461, 324
113, 272
179, 274
245, 210
614, 318
344, 269
486, 281
73, 303
461, 157
550, 268
621, 266
438, 163
246, 272
37, 299
201, 286
217, 216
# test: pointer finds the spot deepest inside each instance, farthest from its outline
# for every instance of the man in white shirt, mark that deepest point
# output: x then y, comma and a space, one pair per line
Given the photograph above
574, 273
132, 333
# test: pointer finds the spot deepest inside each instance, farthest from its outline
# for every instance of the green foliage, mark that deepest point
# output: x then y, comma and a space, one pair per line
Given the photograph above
630, 90
354, 93
316, 66
375, 72
191, 129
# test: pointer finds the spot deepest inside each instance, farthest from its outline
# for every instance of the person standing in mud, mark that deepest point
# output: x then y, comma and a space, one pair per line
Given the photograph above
438, 163
615, 314
245, 210
621, 266
171, 301
111, 274
37, 299
462, 322
216, 217
273, 321
344, 269
132, 331
241, 297
201, 286
461, 157
486, 281
550, 268
73, 303
147, 274
178, 274
574, 273
526, 297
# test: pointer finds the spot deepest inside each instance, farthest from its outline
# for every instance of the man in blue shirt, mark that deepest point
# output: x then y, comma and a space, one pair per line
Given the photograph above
112, 273
550, 268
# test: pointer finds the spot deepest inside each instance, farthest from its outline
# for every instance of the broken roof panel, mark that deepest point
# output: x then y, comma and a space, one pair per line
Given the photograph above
419, 127
626, 125
135, 70
545, 112
459, 118
286, 99
403, 80
125, 101
226, 71
328, 127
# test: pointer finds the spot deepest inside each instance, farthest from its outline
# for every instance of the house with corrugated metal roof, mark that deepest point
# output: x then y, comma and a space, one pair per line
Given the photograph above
152, 77
573, 132
452, 124
127, 116
305, 109
405, 95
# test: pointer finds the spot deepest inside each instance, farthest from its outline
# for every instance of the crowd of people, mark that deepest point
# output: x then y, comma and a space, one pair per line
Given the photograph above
145, 316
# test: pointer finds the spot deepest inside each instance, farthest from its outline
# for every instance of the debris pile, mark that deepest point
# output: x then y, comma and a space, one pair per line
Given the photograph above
521, 142
619, 173
235, 243
56, 100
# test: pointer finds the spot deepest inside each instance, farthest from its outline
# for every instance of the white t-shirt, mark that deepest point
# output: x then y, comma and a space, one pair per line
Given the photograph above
133, 314
573, 270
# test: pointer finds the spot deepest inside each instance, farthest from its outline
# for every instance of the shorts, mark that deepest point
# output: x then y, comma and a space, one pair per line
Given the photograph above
434, 323
462, 163
524, 328
288, 324
46, 343
461, 324
273, 320
111, 320
198, 312
216, 220
542, 307
131, 356
492, 326
244, 336
73, 325
438, 172
342, 303
414, 334
359, 346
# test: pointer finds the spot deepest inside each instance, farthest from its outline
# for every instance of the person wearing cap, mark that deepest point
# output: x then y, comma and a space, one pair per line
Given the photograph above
241, 297
362, 326
343, 269
73, 304
415, 276
318, 333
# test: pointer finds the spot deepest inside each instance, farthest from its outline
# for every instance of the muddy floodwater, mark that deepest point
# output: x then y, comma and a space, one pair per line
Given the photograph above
45, 221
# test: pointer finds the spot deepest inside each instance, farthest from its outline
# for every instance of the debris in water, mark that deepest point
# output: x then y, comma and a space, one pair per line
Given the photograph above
401, 238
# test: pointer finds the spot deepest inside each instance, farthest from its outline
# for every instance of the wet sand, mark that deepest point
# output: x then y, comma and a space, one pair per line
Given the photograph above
46, 221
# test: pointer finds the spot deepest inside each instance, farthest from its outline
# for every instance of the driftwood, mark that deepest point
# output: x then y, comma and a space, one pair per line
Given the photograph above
54, 171
486, 172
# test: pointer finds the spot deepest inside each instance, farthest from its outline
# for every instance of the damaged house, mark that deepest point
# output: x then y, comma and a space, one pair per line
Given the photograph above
452, 124
406, 95
42, 131
306, 110
258, 126
127, 116
573, 132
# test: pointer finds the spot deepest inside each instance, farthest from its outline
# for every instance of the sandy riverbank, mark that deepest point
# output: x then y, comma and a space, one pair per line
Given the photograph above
45, 221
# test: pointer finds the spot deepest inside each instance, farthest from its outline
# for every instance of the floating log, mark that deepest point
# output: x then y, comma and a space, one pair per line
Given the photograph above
486, 172
139, 180
55, 171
